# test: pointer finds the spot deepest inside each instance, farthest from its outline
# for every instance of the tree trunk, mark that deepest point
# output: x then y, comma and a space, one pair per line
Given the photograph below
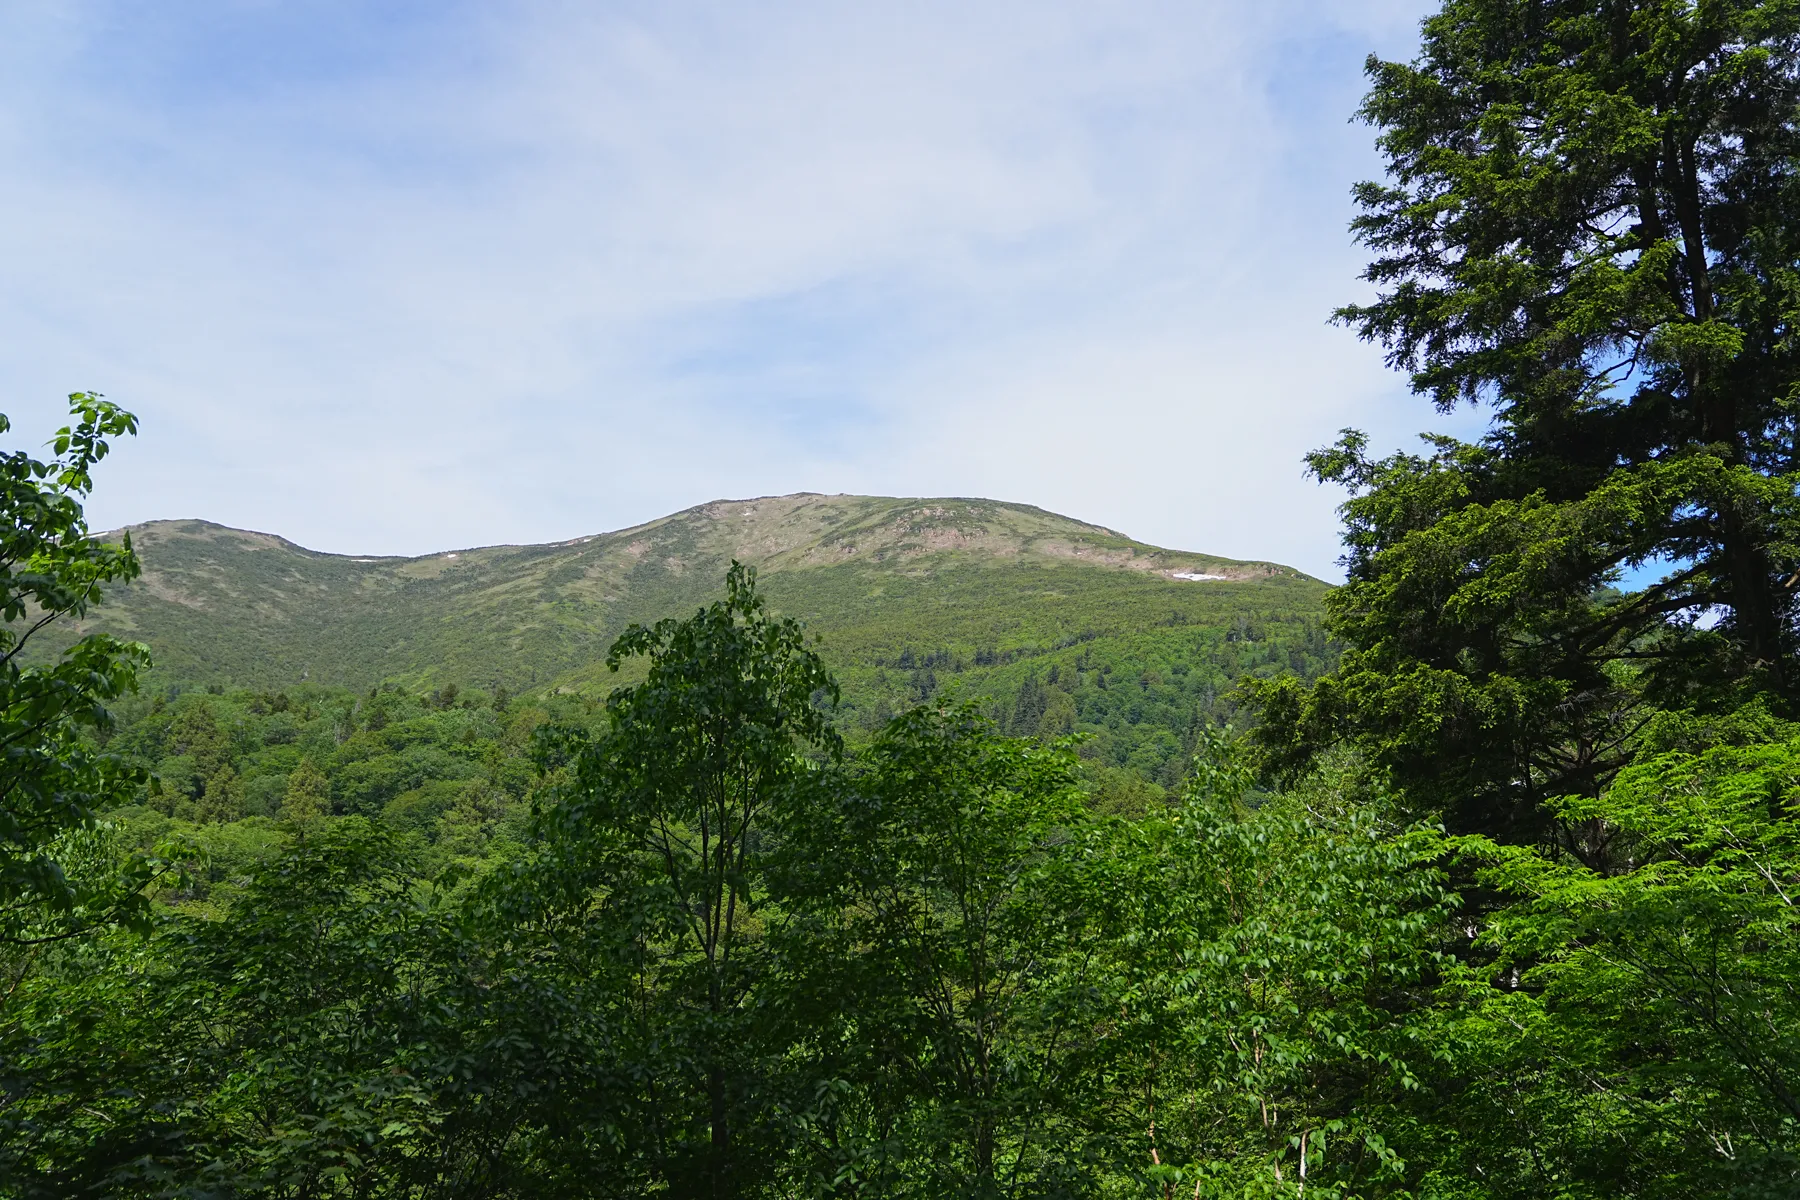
721, 1134
1752, 585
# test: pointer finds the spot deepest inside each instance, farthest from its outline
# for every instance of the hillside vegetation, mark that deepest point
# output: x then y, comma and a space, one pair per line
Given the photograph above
1053, 625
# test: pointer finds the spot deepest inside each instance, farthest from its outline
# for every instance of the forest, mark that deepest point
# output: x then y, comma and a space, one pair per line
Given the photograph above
1495, 896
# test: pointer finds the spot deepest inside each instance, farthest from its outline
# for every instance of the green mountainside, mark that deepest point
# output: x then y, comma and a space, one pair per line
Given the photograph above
1057, 625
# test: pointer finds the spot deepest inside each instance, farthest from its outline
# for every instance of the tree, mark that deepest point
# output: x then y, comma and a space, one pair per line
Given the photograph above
338, 1030
664, 815
54, 781
308, 796
1589, 226
1634, 1032
942, 941
1270, 979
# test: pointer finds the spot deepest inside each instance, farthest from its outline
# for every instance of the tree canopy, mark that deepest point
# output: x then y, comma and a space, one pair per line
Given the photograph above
54, 783
1588, 228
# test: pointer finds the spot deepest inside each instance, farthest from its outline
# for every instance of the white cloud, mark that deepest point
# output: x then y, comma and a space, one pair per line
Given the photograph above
524, 272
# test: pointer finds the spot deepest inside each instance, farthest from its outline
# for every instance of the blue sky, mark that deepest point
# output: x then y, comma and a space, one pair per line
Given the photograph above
398, 277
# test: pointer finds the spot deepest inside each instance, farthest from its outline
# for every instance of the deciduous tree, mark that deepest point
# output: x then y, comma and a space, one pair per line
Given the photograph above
54, 780
664, 814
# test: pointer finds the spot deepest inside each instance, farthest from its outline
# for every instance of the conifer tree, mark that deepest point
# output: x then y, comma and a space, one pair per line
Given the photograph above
308, 795
1590, 226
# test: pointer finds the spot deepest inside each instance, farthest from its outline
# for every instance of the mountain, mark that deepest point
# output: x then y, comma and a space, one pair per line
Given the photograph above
1037, 614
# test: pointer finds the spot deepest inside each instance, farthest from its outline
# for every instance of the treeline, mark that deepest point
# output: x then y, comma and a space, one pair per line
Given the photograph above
454, 765
1300, 638
1138, 701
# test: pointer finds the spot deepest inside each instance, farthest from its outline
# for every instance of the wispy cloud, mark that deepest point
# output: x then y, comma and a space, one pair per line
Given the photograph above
397, 277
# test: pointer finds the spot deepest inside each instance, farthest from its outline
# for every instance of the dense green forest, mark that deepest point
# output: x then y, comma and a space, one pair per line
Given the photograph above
453, 766
1493, 897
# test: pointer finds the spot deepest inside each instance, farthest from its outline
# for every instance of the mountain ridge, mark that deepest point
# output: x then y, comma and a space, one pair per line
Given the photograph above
1023, 610
932, 508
